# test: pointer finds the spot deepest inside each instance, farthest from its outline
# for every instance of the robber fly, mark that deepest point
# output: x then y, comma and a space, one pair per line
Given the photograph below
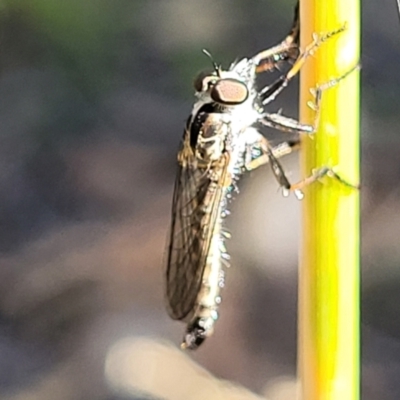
220, 142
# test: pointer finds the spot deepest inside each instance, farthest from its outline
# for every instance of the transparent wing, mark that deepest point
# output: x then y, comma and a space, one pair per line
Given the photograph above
196, 203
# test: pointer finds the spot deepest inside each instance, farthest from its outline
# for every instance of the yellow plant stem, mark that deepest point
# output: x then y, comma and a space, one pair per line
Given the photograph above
328, 338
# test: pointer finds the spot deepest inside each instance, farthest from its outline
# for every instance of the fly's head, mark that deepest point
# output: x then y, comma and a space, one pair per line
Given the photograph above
225, 108
226, 91
226, 88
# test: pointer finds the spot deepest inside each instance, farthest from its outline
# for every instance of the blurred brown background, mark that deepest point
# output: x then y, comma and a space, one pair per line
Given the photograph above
93, 99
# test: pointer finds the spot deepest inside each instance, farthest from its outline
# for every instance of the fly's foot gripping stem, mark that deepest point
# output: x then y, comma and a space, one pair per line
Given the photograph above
316, 175
317, 92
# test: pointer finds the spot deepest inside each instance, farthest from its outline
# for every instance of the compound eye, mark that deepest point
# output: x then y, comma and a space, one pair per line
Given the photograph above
203, 81
229, 91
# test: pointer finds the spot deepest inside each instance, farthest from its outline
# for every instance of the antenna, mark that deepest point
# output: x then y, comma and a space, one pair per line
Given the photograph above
215, 65
398, 5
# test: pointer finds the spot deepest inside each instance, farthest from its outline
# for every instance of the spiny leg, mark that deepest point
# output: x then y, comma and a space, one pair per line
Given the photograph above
323, 171
285, 148
269, 59
270, 92
316, 175
271, 154
286, 124
280, 150
276, 120
317, 94
280, 175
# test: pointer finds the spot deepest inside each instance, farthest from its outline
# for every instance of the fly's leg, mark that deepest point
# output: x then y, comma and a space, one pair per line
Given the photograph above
278, 151
270, 59
316, 106
271, 154
270, 92
317, 94
279, 173
286, 124
285, 148
315, 176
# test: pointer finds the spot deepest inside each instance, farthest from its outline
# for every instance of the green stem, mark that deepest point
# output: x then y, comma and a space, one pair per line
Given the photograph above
329, 265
